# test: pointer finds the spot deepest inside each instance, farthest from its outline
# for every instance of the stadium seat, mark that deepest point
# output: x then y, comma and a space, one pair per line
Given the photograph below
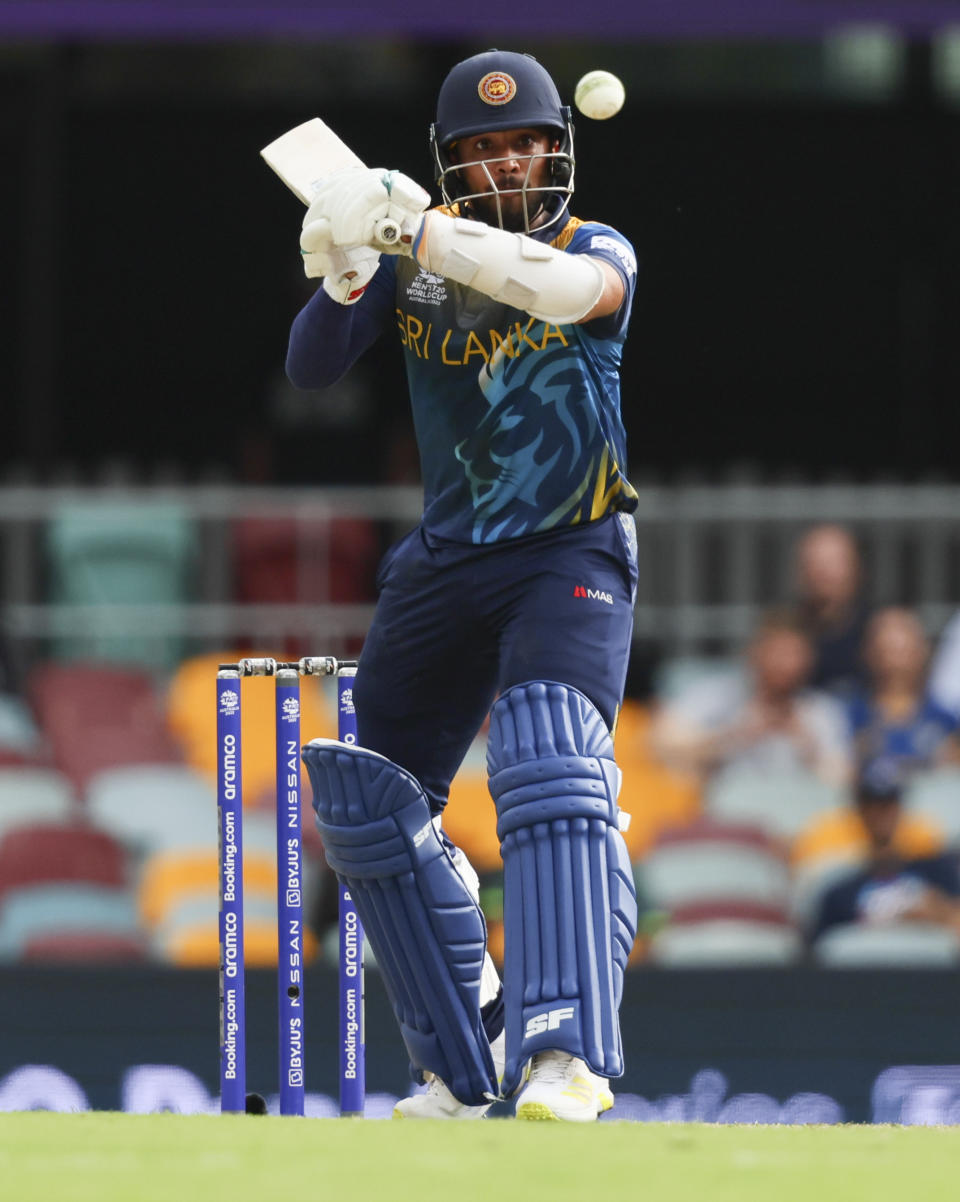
188, 936
840, 833
731, 935
62, 910
173, 876
97, 716
20, 739
153, 807
169, 877
711, 863
657, 798
85, 947
810, 881
47, 853
283, 559
178, 900
936, 795
34, 795
782, 804
115, 553
470, 818
897, 945
678, 673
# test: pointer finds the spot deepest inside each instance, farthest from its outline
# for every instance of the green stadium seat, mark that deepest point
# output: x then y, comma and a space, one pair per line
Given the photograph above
115, 553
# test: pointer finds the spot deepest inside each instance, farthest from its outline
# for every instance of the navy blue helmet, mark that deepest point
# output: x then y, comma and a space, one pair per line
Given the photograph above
500, 90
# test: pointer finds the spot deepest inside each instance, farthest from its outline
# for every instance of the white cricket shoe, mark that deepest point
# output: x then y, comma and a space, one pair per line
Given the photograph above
561, 1087
437, 1102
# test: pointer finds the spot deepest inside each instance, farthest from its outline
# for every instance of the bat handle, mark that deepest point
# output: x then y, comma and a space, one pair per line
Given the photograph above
387, 231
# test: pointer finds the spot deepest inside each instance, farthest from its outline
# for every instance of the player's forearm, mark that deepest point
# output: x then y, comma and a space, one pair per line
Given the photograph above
512, 268
326, 339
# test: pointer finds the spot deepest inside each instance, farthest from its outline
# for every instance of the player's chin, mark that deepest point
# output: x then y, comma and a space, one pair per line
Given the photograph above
505, 211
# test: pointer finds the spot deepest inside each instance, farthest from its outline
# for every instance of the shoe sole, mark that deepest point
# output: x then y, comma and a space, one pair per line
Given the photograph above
541, 1112
457, 1118
536, 1112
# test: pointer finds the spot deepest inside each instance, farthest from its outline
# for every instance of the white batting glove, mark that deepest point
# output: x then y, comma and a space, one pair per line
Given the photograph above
356, 201
345, 271
349, 273
407, 204
316, 243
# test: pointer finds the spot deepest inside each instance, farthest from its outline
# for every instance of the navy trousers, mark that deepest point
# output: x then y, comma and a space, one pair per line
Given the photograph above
455, 625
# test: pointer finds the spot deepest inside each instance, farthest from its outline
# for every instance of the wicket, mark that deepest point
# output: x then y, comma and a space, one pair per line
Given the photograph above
290, 929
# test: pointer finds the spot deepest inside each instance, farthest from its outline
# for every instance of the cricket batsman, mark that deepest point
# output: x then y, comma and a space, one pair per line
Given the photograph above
513, 597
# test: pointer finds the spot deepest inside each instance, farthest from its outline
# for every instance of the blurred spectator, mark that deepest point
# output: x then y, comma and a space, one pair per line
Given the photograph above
897, 726
890, 886
945, 668
764, 721
830, 608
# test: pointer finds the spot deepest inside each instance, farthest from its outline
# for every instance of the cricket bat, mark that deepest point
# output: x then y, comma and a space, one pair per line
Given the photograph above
305, 155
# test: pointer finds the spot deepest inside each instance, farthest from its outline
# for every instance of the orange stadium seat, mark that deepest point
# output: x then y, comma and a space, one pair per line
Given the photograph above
840, 834
178, 901
192, 719
656, 798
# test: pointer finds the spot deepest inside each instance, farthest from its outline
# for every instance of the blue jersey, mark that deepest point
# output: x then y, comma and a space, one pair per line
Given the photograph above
884, 894
892, 750
517, 420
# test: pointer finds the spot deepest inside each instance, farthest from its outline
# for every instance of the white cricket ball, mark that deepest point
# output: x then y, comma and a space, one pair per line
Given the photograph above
599, 95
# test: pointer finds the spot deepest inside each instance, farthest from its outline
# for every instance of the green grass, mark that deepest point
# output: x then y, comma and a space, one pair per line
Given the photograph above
107, 1157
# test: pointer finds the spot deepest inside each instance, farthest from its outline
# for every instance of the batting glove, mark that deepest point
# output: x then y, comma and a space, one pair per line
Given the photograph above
356, 201
349, 272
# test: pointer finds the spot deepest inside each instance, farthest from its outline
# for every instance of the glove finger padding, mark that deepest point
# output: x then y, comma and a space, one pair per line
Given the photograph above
348, 273
316, 243
353, 201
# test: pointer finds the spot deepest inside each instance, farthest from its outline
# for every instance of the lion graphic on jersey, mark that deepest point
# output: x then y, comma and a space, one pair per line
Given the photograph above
534, 433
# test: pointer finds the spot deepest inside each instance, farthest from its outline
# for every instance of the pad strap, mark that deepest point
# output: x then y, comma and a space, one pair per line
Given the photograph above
426, 931
511, 268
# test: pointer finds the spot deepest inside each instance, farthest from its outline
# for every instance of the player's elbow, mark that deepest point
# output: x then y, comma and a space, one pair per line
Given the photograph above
310, 374
611, 295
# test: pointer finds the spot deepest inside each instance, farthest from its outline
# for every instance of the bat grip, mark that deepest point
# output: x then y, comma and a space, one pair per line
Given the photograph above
387, 231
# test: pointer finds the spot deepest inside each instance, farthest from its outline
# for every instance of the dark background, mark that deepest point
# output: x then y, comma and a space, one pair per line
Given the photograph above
799, 295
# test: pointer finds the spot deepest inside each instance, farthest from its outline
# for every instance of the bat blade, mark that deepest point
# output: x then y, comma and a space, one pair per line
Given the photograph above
306, 154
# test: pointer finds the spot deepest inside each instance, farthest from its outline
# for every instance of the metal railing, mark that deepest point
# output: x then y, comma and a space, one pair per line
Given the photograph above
711, 557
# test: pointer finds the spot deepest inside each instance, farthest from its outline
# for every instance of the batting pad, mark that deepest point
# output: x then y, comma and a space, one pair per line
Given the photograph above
425, 928
570, 909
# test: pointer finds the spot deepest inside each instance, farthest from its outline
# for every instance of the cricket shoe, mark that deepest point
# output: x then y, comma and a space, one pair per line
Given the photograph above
560, 1087
437, 1102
